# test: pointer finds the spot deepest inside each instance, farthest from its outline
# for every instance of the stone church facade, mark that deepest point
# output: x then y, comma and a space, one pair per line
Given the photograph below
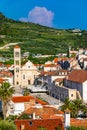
26, 74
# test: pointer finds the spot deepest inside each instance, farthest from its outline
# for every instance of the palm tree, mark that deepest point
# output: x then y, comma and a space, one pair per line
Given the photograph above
67, 105
6, 92
76, 107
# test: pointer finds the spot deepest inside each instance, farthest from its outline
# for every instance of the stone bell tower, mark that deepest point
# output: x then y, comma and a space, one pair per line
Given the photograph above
17, 66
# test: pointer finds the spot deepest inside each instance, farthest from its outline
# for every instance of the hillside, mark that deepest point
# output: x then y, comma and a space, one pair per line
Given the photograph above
39, 39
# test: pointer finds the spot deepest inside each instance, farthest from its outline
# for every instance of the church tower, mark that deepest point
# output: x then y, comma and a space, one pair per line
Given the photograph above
17, 66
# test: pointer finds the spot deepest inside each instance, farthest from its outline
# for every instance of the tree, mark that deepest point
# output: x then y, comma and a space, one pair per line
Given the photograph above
6, 125
76, 107
67, 105
24, 116
6, 92
64, 64
11, 117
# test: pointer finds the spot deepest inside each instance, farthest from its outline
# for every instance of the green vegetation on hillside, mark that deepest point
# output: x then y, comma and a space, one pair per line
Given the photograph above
39, 39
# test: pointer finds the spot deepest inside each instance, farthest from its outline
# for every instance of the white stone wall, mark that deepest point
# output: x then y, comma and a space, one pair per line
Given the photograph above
9, 79
19, 107
15, 108
85, 91
47, 69
85, 64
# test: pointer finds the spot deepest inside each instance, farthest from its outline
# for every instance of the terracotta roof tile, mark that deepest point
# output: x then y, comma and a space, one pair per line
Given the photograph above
16, 46
1, 80
49, 124
56, 60
50, 65
44, 112
78, 76
59, 59
19, 99
6, 73
79, 122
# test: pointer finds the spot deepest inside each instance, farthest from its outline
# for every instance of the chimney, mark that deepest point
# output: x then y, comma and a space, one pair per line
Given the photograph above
34, 115
67, 119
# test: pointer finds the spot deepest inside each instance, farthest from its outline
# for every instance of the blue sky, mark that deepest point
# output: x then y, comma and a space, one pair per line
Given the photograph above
62, 14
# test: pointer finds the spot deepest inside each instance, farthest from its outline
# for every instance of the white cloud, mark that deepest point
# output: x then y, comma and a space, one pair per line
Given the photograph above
40, 15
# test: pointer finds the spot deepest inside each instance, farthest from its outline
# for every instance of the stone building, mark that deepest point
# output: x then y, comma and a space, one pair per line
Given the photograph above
26, 74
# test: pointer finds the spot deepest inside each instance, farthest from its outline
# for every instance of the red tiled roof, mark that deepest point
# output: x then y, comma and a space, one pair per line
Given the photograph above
56, 60
78, 76
19, 99
49, 124
16, 46
59, 59
79, 122
44, 112
1, 80
6, 73
50, 65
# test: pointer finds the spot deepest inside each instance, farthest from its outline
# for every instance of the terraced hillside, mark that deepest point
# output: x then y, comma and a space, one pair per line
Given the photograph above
39, 39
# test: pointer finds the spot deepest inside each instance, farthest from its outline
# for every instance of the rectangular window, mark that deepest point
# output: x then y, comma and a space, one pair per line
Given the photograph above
17, 62
23, 76
29, 82
17, 69
71, 95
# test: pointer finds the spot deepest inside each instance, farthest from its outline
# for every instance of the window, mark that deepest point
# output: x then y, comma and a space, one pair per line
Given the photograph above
17, 62
17, 69
23, 76
17, 82
17, 54
71, 95
28, 82
30, 122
